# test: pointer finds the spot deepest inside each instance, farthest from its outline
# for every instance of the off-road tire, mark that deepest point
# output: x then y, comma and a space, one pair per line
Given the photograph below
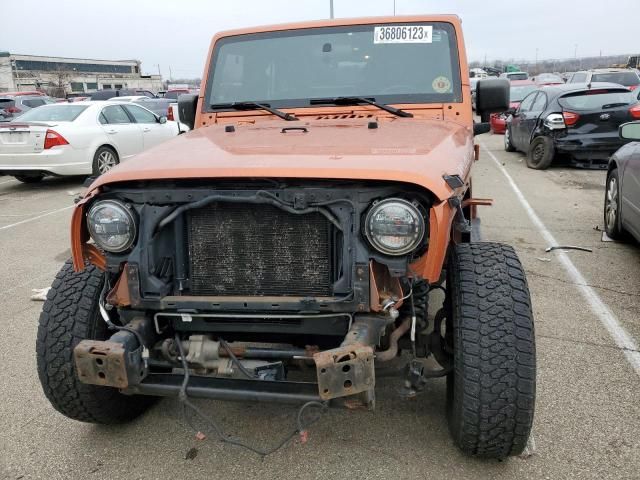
29, 178
540, 153
508, 145
70, 314
491, 391
612, 204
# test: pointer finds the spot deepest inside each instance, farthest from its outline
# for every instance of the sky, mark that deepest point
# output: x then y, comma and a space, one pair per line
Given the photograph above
175, 34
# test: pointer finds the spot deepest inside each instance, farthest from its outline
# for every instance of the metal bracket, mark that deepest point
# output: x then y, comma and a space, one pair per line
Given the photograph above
345, 371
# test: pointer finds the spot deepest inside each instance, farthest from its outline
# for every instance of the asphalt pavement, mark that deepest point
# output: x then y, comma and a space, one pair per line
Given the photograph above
587, 419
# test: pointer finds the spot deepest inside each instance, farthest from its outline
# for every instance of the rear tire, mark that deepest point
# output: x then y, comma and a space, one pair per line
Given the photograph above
540, 154
508, 146
29, 178
491, 391
104, 160
612, 223
69, 315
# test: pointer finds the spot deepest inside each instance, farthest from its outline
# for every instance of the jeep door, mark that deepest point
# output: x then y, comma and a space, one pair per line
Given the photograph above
124, 134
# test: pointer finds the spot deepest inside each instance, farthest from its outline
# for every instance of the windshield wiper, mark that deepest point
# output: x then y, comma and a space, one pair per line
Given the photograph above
254, 105
359, 100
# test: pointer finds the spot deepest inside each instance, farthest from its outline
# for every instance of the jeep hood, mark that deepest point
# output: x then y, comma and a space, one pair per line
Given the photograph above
407, 150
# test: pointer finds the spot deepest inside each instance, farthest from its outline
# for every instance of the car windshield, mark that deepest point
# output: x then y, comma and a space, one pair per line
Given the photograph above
54, 113
596, 99
517, 93
518, 76
627, 79
409, 63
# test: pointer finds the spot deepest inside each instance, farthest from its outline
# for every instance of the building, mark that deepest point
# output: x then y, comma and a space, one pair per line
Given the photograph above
59, 76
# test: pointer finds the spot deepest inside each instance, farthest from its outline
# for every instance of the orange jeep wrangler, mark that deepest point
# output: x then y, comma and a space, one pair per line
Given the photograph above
313, 226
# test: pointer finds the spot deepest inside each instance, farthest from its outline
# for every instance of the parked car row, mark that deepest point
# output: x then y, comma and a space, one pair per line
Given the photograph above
82, 138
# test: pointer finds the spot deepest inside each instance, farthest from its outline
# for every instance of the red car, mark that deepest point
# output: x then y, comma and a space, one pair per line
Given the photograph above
519, 90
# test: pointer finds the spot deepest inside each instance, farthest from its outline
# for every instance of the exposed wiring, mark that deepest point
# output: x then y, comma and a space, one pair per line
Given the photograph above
105, 316
185, 402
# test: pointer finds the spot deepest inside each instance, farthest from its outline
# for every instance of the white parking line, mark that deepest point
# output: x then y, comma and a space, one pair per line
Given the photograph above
6, 227
608, 319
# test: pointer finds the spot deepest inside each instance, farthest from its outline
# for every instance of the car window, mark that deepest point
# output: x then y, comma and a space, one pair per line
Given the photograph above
539, 103
518, 92
115, 114
579, 77
626, 79
33, 102
57, 112
525, 106
141, 115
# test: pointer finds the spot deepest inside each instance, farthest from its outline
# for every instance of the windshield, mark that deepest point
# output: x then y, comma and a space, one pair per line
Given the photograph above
288, 68
548, 78
597, 99
518, 76
628, 79
53, 113
517, 94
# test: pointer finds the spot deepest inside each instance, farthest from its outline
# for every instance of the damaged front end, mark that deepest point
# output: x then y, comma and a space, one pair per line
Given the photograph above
277, 290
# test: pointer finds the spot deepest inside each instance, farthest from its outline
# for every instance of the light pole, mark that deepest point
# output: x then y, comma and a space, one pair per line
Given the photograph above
536, 61
575, 55
394, 8
331, 9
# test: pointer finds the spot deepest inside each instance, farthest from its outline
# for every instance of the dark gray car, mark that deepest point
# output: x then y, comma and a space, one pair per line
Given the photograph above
12, 106
622, 196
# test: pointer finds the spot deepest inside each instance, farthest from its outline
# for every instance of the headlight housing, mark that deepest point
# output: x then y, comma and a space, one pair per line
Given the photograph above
112, 225
394, 226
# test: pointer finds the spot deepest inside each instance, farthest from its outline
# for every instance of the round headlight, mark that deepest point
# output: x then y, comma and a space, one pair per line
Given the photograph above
111, 225
394, 226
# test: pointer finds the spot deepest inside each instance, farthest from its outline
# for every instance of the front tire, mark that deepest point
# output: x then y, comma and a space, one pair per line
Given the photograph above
540, 154
70, 314
612, 223
491, 391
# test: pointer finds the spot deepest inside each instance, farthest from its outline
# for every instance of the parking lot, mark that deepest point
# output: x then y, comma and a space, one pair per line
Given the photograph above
587, 412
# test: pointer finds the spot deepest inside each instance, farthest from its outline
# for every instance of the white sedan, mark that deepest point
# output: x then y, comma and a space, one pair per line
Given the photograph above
83, 138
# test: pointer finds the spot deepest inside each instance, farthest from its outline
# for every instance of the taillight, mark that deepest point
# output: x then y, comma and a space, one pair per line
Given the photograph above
570, 118
635, 111
13, 110
54, 139
170, 113
633, 87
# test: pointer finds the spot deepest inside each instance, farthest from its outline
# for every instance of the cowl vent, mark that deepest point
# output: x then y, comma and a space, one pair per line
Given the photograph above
342, 116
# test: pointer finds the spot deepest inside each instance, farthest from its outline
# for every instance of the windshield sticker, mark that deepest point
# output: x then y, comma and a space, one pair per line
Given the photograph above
403, 34
441, 84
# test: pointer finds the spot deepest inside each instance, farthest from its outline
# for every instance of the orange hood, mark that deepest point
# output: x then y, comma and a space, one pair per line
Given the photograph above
411, 150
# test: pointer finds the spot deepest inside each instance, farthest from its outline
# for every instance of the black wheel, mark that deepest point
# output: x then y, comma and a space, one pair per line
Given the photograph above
491, 391
29, 178
70, 314
540, 154
508, 146
612, 223
104, 160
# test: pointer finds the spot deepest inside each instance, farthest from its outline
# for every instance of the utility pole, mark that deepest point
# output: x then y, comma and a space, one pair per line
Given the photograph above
536, 61
331, 9
575, 55
394, 8
170, 74
159, 70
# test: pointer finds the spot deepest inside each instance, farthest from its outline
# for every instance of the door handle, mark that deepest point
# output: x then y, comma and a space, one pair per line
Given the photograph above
112, 132
147, 129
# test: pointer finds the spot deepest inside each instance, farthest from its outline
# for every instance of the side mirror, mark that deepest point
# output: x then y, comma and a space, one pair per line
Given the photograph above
629, 131
492, 95
187, 106
511, 111
162, 119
